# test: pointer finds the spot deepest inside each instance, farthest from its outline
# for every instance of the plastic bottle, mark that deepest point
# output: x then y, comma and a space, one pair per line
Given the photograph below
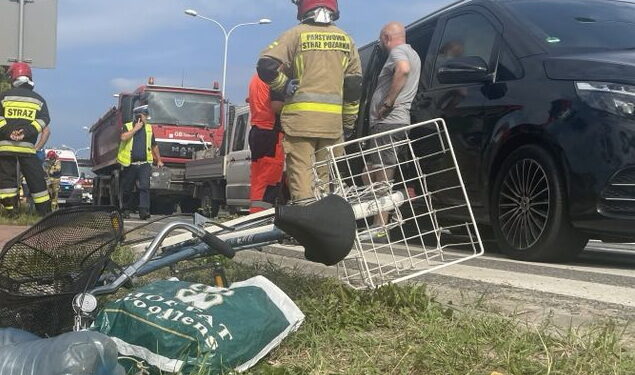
74, 353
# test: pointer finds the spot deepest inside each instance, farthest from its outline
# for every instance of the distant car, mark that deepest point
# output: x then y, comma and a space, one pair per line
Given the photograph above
86, 177
539, 99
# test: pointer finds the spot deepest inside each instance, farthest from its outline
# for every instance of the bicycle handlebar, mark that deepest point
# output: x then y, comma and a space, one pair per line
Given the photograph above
209, 239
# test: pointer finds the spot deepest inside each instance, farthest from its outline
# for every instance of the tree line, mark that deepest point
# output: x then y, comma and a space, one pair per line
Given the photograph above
4, 80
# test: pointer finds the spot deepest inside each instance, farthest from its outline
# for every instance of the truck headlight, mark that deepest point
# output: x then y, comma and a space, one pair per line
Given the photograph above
78, 187
614, 98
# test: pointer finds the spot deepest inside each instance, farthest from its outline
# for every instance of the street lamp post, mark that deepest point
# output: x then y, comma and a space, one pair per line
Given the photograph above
193, 13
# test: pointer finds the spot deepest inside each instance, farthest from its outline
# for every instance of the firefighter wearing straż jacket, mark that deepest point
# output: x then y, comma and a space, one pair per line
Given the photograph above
317, 68
24, 118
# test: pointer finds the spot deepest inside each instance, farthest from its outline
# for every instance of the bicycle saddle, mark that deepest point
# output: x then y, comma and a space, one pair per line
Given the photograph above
326, 228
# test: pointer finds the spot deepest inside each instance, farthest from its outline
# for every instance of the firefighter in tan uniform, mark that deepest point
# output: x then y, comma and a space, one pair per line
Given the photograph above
53, 170
317, 68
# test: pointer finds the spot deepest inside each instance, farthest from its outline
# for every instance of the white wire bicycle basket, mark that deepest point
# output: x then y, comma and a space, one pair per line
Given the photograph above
430, 222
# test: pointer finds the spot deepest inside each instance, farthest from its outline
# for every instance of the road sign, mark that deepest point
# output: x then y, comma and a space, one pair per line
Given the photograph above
40, 32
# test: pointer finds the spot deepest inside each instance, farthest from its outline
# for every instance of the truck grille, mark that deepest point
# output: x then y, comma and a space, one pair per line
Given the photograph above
618, 197
177, 150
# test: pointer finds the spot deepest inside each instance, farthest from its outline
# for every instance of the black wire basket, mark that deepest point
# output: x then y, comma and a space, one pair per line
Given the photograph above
42, 269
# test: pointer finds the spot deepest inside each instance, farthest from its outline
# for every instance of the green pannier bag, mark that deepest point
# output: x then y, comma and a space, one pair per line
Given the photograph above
182, 327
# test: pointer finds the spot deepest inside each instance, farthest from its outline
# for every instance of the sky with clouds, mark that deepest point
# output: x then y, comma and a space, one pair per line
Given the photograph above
109, 46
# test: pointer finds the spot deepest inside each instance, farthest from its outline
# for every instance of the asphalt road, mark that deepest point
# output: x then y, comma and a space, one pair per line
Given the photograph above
599, 284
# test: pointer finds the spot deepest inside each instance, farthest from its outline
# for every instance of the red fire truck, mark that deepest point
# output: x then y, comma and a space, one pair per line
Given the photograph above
184, 120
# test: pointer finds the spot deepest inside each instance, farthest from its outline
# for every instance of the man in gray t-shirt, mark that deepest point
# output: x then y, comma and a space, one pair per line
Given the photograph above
390, 106
396, 86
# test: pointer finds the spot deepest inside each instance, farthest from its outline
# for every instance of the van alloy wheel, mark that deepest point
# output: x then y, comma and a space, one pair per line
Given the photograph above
530, 208
524, 204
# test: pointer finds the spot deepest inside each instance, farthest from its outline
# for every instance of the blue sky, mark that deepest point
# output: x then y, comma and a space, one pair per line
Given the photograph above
109, 46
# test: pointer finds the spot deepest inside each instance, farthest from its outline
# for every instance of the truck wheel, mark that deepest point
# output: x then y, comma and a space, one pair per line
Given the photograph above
96, 192
189, 205
213, 208
115, 192
529, 209
210, 207
164, 206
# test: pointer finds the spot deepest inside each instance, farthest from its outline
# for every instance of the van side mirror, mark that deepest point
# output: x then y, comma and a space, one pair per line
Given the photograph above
468, 69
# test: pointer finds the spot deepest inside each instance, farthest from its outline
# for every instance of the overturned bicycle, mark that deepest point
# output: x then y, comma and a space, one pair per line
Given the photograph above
52, 274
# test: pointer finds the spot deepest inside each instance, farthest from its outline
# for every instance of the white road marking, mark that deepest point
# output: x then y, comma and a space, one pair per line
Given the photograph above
569, 267
572, 288
624, 296
584, 267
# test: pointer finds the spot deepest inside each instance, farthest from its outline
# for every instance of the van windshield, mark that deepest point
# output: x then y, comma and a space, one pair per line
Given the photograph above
176, 108
69, 168
587, 24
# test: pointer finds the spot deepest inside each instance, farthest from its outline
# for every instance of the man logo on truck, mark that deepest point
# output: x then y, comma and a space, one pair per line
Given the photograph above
179, 101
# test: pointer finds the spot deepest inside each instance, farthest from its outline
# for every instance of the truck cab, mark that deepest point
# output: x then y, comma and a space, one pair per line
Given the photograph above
184, 121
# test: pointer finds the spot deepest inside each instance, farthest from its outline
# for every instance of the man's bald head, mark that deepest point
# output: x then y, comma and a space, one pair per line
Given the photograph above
392, 35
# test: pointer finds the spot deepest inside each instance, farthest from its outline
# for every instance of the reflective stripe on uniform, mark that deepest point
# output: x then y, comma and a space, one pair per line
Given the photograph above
26, 99
351, 109
279, 83
37, 126
8, 193
17, 144
18, 149
41, 123
306, 97
41, 197
299, 66
21, 104
8, 208
313, 107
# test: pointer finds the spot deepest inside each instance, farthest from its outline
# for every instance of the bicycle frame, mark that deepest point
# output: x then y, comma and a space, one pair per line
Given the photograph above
249, 233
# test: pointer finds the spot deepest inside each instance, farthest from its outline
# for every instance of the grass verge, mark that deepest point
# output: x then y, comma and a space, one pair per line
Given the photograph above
401, 330
23, 219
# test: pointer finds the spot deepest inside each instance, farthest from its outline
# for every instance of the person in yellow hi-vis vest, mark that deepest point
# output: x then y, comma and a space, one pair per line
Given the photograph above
137, 151
317, 68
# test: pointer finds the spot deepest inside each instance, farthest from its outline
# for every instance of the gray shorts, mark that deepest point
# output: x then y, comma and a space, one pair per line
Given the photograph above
387, 156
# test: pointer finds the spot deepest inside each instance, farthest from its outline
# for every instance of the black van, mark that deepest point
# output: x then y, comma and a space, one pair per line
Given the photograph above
539, 99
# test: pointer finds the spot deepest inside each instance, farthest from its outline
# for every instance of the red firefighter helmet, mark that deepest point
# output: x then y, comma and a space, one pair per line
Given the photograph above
20, 69
51, 155
305, 6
